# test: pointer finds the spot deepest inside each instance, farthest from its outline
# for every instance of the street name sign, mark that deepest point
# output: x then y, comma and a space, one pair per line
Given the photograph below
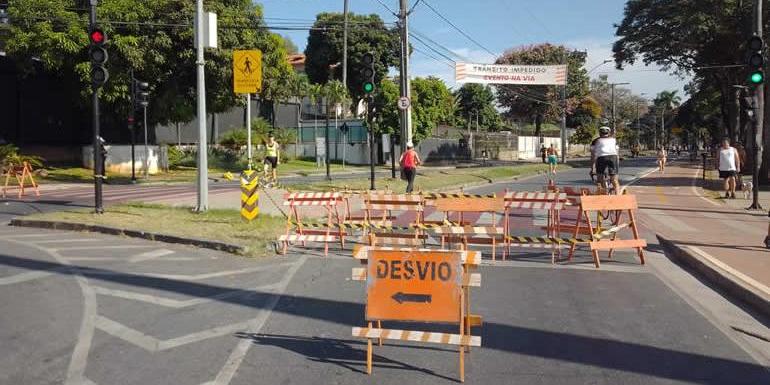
247, 71
511, 74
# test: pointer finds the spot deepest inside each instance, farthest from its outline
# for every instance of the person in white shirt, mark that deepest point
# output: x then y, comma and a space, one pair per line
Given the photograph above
604, 157
729, 165
662, 157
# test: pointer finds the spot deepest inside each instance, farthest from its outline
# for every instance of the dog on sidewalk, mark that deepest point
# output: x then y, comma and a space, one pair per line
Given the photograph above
746, 187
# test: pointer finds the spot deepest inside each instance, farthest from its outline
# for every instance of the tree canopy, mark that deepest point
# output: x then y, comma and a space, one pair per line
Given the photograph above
366, 33
543, 102
477, 99
152, 38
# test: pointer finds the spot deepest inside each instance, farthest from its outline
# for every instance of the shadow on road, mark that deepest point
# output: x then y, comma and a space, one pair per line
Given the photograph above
567, 347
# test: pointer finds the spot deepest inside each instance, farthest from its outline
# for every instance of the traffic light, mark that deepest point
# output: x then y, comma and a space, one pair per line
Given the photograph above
756, 60
367, 73
142, 96
98, 55
4, 19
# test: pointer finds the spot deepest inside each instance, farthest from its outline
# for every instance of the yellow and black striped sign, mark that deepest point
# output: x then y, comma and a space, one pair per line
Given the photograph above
545, 240
249, 195
457, 195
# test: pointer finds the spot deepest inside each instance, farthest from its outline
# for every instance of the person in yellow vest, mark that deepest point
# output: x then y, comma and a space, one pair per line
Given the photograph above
272, 155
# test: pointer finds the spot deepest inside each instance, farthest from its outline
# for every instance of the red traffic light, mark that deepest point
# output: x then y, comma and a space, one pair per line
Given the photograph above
97, 36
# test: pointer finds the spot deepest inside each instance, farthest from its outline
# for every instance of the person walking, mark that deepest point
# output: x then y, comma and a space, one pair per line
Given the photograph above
729, 165
542, 152
662, 155
409, 162
553, 158
272, 156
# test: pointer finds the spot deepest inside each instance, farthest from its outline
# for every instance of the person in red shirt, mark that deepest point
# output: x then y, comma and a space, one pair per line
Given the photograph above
409, 162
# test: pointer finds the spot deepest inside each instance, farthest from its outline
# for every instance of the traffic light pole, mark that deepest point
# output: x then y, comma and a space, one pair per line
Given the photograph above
146, 148
759, 105
98, 172
132, 126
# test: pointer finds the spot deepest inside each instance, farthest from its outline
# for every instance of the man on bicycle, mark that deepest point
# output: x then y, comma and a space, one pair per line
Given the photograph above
604, 158
272, 154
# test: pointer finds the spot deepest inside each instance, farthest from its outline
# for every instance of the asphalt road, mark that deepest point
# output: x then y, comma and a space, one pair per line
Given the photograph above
95, 309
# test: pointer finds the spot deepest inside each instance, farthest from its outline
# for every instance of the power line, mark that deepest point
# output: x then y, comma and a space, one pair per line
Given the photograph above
433, 57
426, 37
433, 49
388, 8
457, 28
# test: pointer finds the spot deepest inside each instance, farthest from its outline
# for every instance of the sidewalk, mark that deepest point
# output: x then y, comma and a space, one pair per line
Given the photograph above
717, 237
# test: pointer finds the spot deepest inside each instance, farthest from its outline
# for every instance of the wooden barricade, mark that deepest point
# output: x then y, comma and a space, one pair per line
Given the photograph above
571, 207
21, 173
471, 234
430, 201
333, 231
418, 285
380, 207
621, 205
550, 202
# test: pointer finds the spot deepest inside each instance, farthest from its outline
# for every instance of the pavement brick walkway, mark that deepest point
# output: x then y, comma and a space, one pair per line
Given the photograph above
676, 206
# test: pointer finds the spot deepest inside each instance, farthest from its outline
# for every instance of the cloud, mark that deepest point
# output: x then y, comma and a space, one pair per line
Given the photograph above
644, 79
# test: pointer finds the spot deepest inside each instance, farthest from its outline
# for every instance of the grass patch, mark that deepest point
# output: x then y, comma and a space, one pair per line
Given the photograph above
219, 225
430, 180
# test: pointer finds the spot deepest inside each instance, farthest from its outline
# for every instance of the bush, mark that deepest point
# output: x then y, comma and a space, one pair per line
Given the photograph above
9, 154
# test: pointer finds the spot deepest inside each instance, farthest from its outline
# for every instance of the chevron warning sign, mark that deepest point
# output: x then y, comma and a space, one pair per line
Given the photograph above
249, 195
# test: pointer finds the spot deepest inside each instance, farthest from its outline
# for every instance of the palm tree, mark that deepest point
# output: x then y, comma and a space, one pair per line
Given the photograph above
300, 88
666, 101
315, 93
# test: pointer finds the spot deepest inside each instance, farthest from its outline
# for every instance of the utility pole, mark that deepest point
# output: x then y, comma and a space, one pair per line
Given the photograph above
612, 93
203, 171
345, 45
759, 114
406, 114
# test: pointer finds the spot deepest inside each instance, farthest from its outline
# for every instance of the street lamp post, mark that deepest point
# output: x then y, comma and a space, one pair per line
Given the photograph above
612, 87
599, 65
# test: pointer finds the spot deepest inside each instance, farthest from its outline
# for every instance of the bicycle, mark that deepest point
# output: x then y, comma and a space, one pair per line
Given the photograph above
266, 179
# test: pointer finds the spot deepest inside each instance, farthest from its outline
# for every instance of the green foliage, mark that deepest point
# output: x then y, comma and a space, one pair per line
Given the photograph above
543, 102
54, 31
385, 101
366, 33
175, 156
432, 104
9, 155
473, 99
585, 119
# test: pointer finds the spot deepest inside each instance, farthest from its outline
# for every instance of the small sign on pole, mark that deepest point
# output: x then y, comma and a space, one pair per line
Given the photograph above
247, 71
403, 103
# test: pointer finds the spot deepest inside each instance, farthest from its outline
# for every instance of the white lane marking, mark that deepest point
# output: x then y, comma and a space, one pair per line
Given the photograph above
67, 240
100, 259
104, 247
639, 177
486, 219
153, 254
77, 365
695, 191
153, 344
193, 277
730, 270
174, 303
669, 221
239, 353
28, 276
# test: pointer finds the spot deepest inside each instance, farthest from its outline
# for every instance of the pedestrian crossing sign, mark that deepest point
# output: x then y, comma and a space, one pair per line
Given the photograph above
247, 71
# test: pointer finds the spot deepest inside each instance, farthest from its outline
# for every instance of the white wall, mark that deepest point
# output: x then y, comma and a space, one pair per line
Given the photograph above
529, 146
119, 159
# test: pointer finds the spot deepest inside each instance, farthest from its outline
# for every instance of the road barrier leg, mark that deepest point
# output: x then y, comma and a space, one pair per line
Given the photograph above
379, 326
636, 234
369, 353
462, 334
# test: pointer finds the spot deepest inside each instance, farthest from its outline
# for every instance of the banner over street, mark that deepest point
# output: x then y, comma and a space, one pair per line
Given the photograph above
511, 74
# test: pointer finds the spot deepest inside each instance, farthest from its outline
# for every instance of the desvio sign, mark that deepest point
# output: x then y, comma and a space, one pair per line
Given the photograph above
421, 286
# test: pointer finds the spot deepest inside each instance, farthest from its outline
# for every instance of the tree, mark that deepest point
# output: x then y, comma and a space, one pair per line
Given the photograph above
335, 93
690, 37
386, 103
289, 45
433, 104
665, 104
585, 119
152, 38
476, 99
628, 107
366, 33
543, 102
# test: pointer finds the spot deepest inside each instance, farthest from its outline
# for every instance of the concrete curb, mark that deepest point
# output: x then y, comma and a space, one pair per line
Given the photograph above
69, 226
733, 285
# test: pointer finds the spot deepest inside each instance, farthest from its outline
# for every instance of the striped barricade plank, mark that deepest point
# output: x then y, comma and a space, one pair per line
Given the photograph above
394, 206
307, 238
417, 336
466, 257
469, 230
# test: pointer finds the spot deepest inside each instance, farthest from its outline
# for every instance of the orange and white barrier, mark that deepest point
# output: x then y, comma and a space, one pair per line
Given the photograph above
295, 231
22, 173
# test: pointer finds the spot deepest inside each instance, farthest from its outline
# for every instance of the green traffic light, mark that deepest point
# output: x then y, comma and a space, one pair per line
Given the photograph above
757, 77
368, 87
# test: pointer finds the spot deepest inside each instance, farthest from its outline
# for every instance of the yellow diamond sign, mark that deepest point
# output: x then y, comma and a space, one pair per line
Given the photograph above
247, 71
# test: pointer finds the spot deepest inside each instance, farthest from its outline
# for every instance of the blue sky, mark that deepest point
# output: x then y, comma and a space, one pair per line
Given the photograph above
497, 25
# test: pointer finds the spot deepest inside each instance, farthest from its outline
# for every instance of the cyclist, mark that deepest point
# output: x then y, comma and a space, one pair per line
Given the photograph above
604, 158
272, 156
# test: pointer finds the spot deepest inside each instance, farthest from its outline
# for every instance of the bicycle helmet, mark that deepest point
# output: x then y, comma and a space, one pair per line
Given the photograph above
604, 130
